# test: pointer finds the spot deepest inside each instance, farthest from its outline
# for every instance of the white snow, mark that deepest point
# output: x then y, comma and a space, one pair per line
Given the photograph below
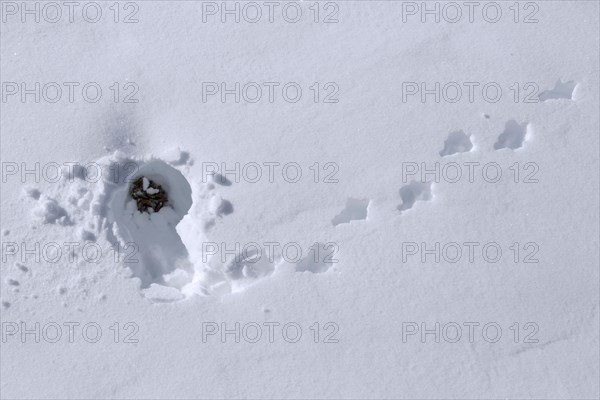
145, 184
48, 211
377, 237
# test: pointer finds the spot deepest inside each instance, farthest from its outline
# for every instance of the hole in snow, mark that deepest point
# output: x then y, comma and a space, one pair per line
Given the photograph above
457, 142
356, 209
561, 91
148, 195
319, 259
247, 267
513, 136
413, 192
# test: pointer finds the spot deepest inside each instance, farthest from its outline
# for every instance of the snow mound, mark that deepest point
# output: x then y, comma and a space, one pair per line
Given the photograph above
48, 211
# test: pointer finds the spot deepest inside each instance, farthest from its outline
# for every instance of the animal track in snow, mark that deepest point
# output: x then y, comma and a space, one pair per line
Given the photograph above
318, 260
513, 136
247, 267
562, 90
250, 266
457, 142
356, 209
413, 192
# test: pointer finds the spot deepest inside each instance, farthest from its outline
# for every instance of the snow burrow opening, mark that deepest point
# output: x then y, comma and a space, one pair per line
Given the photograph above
144, 212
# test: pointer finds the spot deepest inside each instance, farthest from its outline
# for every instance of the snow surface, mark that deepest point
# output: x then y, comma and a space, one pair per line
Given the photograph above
324, 286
